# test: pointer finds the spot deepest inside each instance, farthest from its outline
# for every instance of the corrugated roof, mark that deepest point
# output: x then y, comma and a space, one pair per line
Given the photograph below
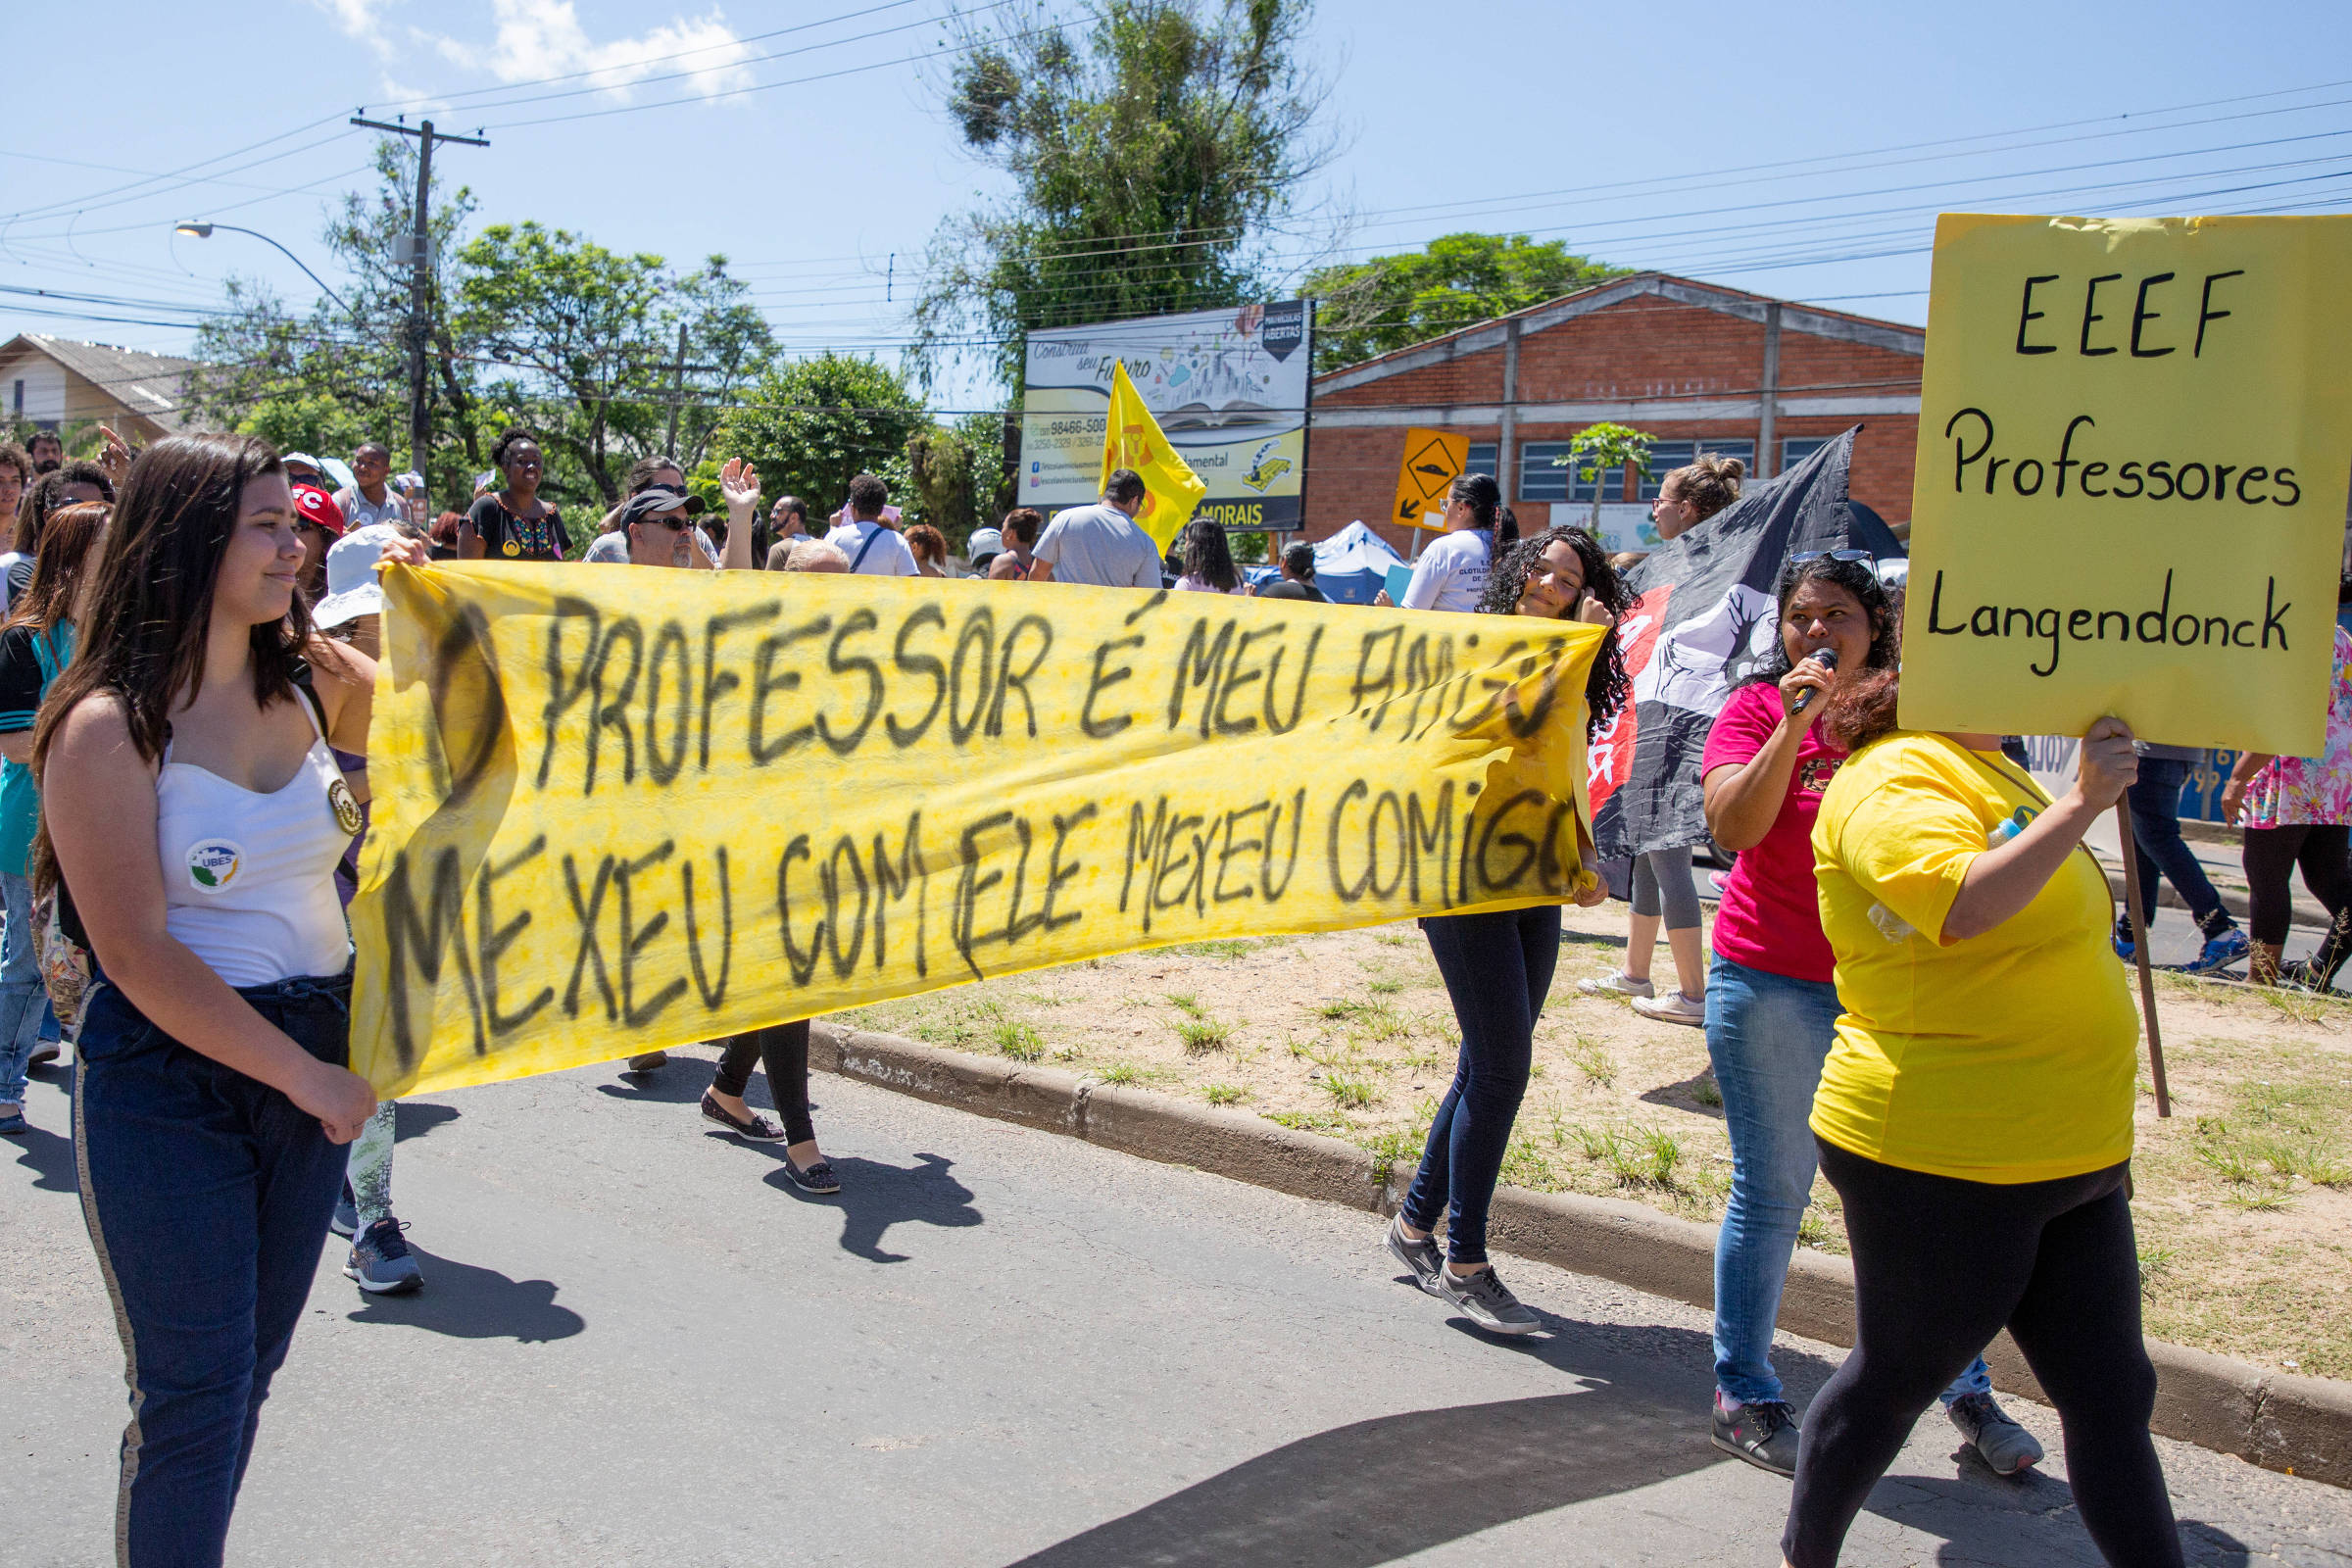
153, 385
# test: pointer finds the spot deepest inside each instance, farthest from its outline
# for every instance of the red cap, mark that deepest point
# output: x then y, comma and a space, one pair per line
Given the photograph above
317, 505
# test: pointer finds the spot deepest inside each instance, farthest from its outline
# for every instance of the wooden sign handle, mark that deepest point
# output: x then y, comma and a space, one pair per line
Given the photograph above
2140, 952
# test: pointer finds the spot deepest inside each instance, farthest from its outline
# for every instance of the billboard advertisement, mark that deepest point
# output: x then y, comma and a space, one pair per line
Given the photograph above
1228, 387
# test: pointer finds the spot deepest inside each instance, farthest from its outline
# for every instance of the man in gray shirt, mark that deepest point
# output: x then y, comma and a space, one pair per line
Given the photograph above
1100, 545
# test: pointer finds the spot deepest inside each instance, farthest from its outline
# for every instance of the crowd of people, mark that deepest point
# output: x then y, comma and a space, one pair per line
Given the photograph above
1912, 990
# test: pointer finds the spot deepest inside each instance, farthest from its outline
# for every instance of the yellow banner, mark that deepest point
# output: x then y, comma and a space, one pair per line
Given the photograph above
1433, 461
1132, 440
2134, 443
619, 809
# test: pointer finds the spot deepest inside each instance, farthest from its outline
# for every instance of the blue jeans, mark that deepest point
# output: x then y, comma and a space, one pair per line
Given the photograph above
1767, 1034
208, 1195
23, 998
1497, 971
2155, 799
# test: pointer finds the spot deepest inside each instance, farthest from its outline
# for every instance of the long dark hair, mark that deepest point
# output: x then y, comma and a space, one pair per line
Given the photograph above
1207, 556
57, 565
1883, 609
151, 612
1607, 686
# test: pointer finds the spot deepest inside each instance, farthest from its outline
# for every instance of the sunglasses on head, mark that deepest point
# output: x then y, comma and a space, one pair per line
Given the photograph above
1803, 556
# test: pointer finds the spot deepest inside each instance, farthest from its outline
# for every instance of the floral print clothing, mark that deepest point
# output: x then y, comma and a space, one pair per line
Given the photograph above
2312, 791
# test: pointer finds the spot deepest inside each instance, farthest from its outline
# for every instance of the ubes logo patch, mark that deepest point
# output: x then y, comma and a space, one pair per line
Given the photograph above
213, 864
346, 806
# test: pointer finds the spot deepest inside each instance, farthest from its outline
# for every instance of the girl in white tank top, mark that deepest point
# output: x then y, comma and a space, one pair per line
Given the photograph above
249, 883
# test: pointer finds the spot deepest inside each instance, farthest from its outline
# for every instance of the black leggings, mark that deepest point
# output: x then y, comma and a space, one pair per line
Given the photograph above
785, 1048
1941, 1265
2270, 854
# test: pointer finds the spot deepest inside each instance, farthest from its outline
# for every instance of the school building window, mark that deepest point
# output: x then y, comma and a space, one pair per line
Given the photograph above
1542, 478
1797, 448
1482, 459
1667, 456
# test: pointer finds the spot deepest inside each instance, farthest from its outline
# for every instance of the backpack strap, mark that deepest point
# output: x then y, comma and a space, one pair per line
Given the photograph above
864, 548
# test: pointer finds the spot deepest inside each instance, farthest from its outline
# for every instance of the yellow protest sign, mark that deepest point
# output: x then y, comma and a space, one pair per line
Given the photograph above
1132, 440
1433, 461
617, 810
2134, 443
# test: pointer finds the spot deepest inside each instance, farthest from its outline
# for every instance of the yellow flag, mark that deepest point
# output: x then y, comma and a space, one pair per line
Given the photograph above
1171, 489
618, 808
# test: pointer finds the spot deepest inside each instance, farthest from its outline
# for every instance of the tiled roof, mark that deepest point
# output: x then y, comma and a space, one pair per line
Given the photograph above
153, 385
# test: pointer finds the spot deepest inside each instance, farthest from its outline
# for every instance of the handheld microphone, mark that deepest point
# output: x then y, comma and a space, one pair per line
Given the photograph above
1828, 658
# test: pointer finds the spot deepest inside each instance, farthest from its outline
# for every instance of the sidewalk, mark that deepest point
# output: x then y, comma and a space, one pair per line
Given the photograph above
2222, 864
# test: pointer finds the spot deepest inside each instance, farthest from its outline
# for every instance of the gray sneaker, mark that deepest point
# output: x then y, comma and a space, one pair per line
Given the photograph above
2005, 1446
1421, 1257
381, 1262
1484, 1299
1764, 1434
1619, 983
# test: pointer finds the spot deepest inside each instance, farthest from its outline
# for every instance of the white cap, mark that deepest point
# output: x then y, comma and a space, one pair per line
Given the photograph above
303, 458
352, 590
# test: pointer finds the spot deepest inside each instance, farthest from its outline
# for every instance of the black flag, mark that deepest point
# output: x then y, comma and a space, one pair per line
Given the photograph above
1704, 616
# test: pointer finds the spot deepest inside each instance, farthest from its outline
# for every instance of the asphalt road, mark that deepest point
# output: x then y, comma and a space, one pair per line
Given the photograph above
638, 1344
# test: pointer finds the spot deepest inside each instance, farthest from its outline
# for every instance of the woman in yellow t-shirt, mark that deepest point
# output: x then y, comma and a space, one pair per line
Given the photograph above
1974, 1114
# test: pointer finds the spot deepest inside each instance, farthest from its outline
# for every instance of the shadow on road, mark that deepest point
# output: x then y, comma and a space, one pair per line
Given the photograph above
874, 1197
48, 1156
1985, 1518
415, 1118
468, 1302
1685, 1096
1386, 1488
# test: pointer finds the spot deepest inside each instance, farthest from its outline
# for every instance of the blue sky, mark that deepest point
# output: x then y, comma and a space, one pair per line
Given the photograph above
1795, 149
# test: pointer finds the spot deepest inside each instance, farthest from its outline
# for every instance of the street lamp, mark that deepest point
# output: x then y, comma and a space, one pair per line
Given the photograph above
196, 229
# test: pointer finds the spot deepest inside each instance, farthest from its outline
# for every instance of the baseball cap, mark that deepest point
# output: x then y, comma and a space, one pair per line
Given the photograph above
352, 589
658, 500
289, 459
315, 506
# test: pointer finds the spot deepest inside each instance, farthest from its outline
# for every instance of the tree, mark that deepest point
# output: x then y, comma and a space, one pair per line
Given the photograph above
325, 380
592, 337
956, 474
1147, 156
1605, 448
1375, 307
813, 425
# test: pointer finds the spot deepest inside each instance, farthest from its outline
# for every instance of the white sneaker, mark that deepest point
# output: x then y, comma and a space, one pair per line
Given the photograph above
1619, 983
1673, 1007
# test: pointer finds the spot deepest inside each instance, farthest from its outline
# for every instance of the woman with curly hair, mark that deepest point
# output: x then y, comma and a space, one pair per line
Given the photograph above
515, 523
1498, 970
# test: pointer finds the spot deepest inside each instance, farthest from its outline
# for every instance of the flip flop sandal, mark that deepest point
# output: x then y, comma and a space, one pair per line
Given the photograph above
817, 1178
756, 1127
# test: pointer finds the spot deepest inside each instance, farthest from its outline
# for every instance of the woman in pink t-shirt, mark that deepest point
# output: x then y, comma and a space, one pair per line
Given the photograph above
1771, 997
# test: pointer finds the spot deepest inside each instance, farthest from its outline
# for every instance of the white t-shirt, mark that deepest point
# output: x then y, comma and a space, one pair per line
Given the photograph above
1452, 573
888, 556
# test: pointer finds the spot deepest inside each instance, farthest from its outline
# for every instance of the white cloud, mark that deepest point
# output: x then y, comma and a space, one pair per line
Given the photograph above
358, 19
541, 38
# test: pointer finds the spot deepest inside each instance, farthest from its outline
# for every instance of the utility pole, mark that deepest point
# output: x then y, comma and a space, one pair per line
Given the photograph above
420, 278
677, 391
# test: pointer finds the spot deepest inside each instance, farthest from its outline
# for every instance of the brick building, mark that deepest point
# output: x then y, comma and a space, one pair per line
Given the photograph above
1691, 364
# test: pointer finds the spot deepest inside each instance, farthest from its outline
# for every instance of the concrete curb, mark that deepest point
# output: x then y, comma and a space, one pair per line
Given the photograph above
2299, 1425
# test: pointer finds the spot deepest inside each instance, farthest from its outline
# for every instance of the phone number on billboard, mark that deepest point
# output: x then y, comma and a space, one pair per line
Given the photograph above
1094, 427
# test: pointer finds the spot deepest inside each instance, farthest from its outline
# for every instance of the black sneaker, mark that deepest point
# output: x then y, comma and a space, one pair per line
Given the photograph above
1764, 1434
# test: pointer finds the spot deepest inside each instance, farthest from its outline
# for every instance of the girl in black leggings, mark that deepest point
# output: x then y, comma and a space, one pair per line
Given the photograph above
1984, 1180
1498, 970
784, 1047
2294, 810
